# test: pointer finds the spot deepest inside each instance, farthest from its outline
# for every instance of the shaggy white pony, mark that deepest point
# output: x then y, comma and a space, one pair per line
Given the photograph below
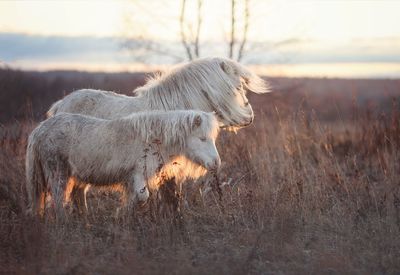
211, 84
130, 150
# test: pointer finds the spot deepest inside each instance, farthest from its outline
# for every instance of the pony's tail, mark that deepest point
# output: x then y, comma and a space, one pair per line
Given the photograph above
35, 181
54, 109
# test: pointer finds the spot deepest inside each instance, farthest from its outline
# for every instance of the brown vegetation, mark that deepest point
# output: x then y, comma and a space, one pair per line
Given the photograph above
312, 187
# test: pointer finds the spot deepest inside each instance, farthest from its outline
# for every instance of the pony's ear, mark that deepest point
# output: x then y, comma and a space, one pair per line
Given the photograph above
197, 121
227, 68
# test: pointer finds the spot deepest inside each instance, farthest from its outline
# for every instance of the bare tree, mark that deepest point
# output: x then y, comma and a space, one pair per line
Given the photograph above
184, 41
192, 49
141, 47
233, 39
245, 30
190, 35
199, 23
233, 23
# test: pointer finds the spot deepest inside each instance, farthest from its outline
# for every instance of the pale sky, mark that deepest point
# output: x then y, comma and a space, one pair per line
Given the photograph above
311, 29
332, 20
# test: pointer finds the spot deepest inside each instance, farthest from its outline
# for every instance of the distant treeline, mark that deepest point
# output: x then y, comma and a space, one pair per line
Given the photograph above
28, 95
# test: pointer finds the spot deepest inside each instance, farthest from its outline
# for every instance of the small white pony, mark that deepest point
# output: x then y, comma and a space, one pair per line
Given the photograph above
103, 152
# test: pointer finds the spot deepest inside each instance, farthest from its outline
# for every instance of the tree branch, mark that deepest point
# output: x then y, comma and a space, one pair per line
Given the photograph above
199, 22
141, 47
233, 21
183, 35
245, 30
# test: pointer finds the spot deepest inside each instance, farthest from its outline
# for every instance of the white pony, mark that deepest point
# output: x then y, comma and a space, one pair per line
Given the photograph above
125, 150
211, 84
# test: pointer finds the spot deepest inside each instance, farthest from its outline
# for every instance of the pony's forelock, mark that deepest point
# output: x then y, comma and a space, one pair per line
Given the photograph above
256, 84
251, 81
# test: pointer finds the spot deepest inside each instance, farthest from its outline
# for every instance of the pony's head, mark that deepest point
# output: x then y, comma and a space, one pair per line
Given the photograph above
217, 85
200, 144
234, 110
188, 133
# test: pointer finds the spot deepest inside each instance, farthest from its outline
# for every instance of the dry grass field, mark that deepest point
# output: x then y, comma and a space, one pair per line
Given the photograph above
313, 187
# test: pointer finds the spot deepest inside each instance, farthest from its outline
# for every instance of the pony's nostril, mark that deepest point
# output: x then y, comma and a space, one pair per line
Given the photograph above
250, 120
217, 163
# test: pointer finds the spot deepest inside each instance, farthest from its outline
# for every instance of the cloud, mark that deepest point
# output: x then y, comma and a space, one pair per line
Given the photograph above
35, 50
14, 47
384, 50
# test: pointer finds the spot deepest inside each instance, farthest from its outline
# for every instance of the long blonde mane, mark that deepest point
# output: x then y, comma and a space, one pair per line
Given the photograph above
205, 84
170, 127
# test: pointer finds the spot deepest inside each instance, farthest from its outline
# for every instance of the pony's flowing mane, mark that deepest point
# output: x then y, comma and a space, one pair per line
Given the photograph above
170, 127
208, 83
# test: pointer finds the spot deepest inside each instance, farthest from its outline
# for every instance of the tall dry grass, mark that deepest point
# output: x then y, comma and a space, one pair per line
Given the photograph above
301, 195
312, 187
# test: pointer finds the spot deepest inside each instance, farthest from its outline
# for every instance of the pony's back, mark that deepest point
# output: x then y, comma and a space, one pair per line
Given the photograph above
95, 103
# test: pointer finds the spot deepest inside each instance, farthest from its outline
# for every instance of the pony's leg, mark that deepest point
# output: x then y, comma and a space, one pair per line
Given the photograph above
42, 204
81, 198
58, 195
78, 196
170, 195
123, 190
124, 193
37, 207
58, 185
68, 195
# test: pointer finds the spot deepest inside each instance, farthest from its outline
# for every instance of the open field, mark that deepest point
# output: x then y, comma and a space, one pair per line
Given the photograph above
314, 187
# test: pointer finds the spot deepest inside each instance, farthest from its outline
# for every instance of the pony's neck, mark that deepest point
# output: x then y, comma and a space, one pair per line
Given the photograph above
160, 155
155, 98
121, 126
132, 129
168, 95
138, 103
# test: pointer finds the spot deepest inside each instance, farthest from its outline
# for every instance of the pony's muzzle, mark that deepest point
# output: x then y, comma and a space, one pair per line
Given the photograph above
214, 165
249, 122
142, 195
238, 125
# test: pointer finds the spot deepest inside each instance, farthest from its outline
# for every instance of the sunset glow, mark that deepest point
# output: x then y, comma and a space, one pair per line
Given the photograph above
299, 32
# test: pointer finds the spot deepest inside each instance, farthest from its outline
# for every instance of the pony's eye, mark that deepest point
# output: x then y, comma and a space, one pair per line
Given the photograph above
246, 103
203, 139
218, 114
